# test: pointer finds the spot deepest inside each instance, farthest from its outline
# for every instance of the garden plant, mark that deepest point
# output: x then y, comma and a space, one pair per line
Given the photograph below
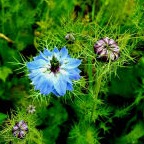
72, 72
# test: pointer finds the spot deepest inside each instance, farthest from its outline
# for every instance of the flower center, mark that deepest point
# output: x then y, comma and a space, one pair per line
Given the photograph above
54, 65
107, 46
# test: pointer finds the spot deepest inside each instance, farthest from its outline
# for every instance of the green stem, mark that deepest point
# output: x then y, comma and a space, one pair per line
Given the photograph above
90, 74
96, 89
96, 92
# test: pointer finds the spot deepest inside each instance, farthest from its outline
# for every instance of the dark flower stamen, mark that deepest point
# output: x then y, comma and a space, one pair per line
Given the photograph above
54, 65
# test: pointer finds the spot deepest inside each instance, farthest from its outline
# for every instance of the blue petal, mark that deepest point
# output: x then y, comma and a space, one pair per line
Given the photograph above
37, 81
69, 86
64, 52
46, 52
41, 56
74, 74
34, 74
77, 70
55, 50
46, 86
60, 85
36, 64
43, 84
55, 92
37, 57
73, 63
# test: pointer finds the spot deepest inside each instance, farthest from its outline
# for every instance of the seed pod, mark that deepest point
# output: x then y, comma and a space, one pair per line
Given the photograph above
20, 129
69, 37
107, 49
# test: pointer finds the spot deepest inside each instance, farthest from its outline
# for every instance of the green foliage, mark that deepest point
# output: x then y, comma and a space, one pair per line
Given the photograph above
4, 72
52, 118
80, 133
2, 117
106, 102
15, 23
127, 84
133, 136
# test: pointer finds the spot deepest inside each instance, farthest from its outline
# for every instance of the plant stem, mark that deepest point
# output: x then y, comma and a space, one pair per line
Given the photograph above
6, 38
96, 89
96, 92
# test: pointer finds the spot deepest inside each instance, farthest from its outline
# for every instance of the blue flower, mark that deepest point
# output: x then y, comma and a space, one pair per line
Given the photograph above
53, 71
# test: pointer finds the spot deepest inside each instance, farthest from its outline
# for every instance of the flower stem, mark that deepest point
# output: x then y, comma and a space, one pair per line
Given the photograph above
6, 38
103, 71
96, 91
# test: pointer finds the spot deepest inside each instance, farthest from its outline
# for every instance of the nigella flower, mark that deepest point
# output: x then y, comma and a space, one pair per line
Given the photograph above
53, 71
20, 129
107, 49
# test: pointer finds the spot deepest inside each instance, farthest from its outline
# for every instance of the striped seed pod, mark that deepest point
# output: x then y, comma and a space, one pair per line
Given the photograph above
107, 49
20, 129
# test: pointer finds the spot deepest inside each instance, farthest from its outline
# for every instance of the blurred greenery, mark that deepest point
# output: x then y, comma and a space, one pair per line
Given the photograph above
2, 117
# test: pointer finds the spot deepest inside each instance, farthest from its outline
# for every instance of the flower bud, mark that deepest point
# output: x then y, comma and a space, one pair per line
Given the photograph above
20, 129
69, 37
107, 49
